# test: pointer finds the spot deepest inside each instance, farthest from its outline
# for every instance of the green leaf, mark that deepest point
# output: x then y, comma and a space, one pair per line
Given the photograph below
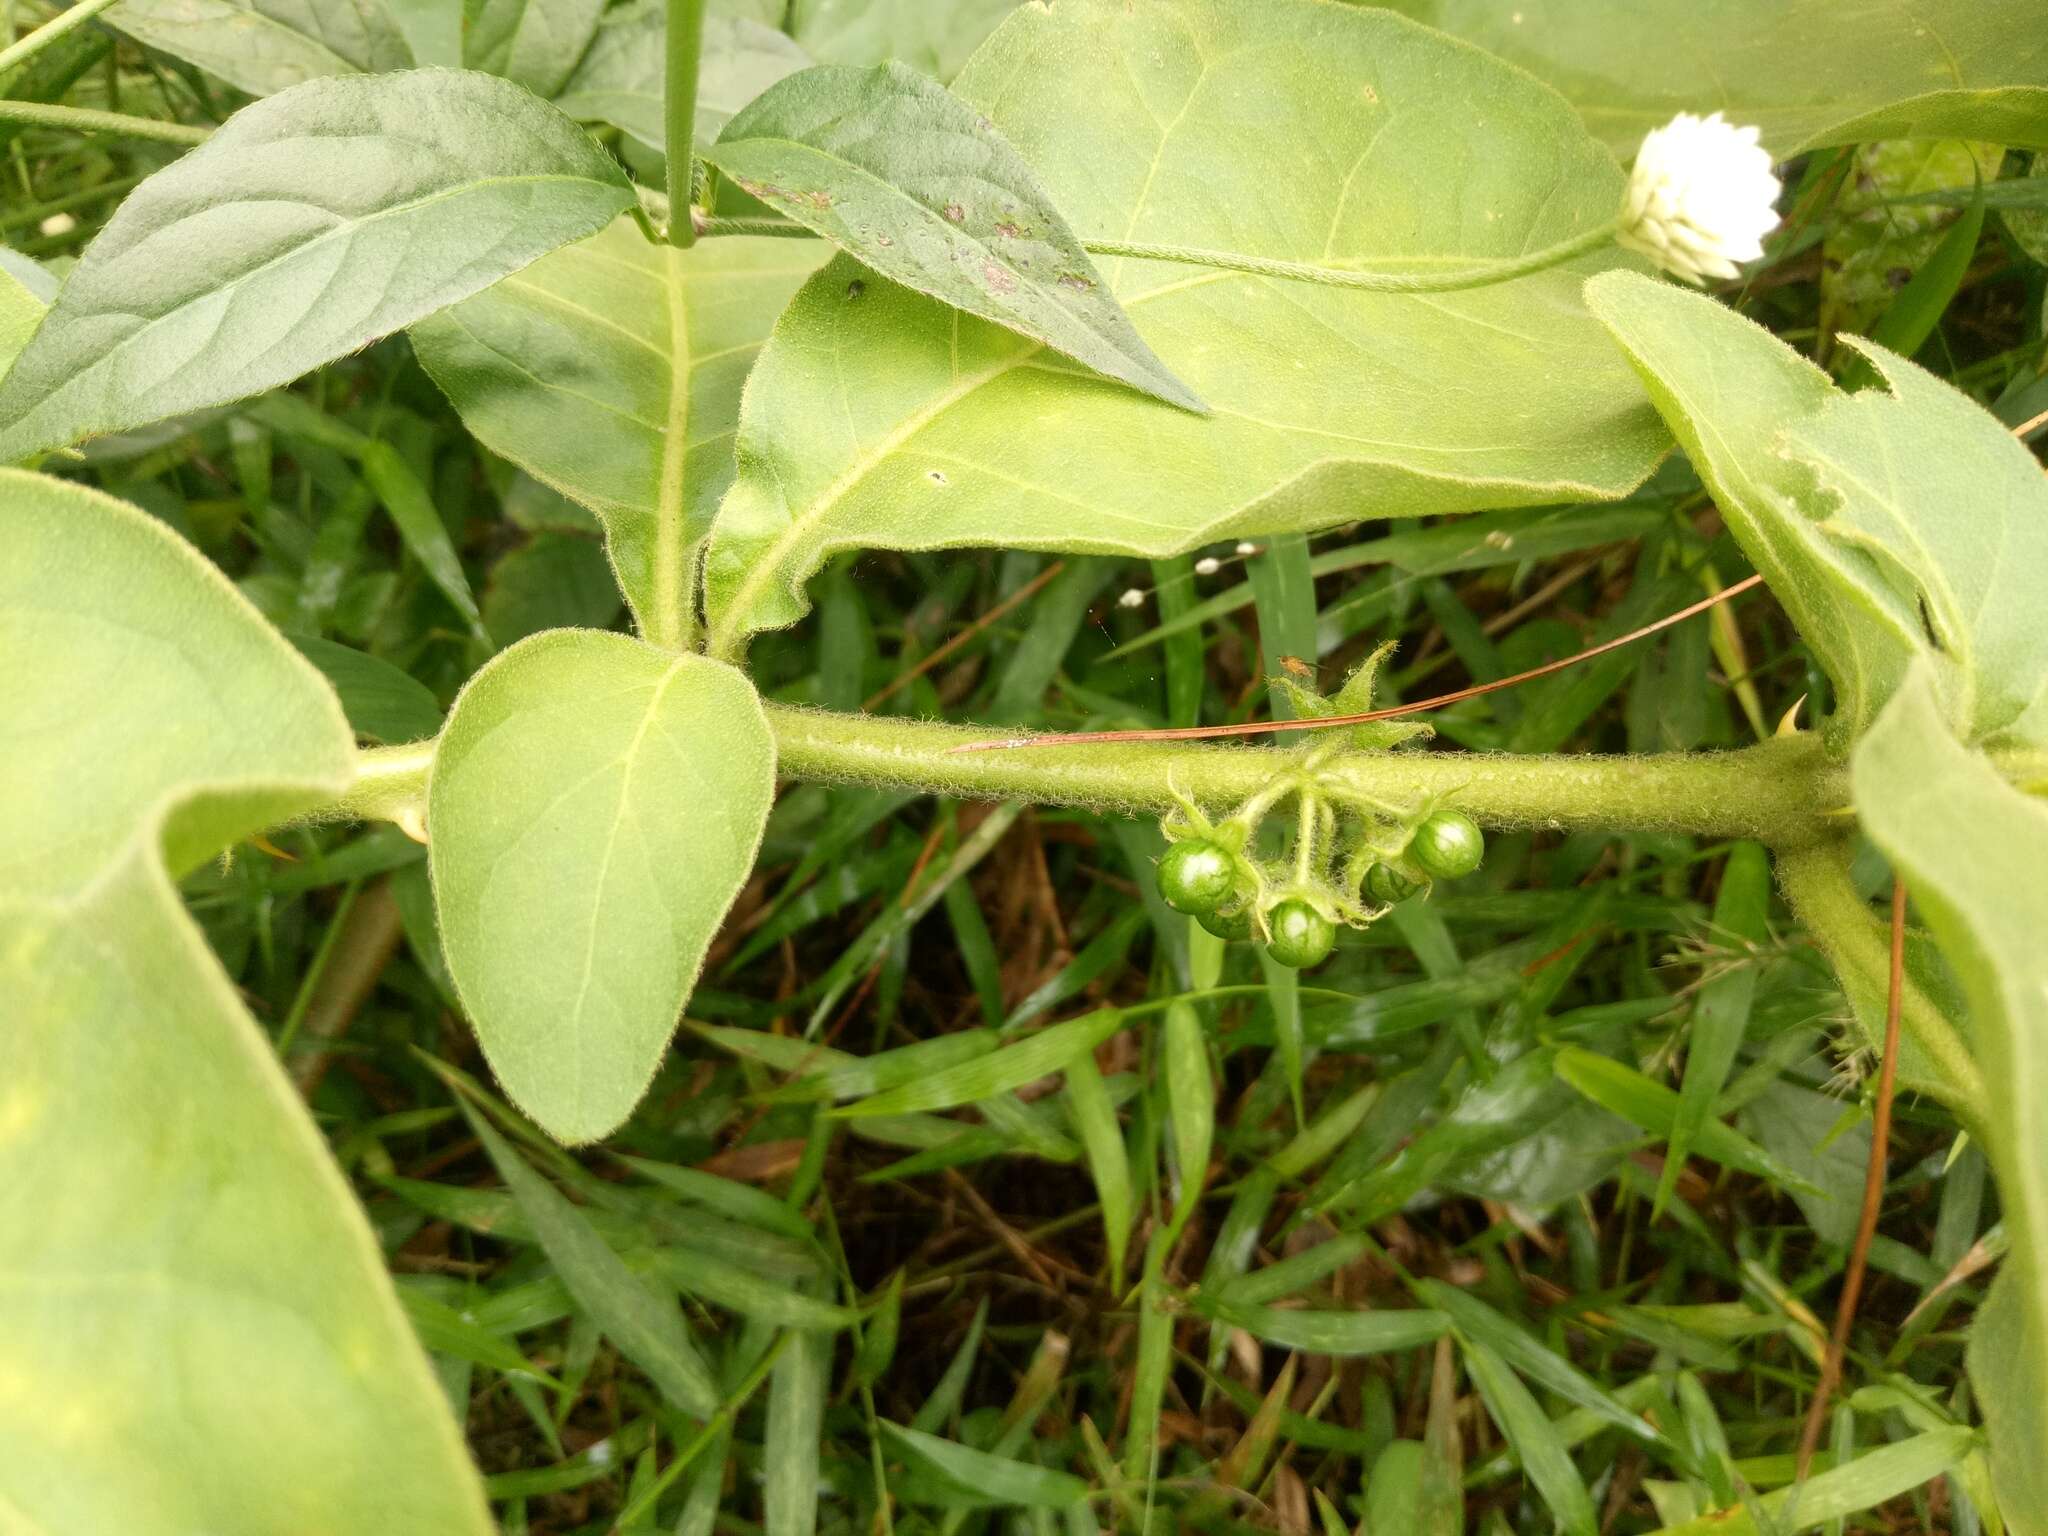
2011, 1395
1109, 1162
594, 807
1190, 1104
312, 223
164, 1199
536, 43
646, 1325
1891, 524
993, 1480
611, 370
1720, 1012
1329, 1332
1790, 66
791, 1447
934, 38
621, 78
118, 697
1971, 849
1804, 1130
1323, 400
1534, 1439
381, 702
1864, 1483
264, 46
1049, 1050
891, 166
20, 313
1623, 1091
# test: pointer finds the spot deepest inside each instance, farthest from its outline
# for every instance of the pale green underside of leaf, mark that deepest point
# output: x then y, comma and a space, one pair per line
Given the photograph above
265, 46
595, 805
533, 42
877, 417
20, 313
312, 223
621, 78
1808, 72
1973, 850
934, 38
135, 674
197, 1327
1862, 510
900, 172
570, 368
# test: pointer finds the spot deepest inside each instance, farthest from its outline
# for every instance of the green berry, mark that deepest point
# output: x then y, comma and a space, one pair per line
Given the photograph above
1386, 885
1196, 876
1302, 936
1448, 844
1235, 924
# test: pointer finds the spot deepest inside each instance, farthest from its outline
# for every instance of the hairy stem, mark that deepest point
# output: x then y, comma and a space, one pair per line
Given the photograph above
1782, 792
25, 48
81, 120
1815, 880
679, 114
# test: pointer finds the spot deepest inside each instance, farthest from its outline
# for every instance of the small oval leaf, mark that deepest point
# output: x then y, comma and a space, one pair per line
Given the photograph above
595, 805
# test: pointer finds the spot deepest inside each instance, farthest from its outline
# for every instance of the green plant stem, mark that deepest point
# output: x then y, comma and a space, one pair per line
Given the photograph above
679, 114
79, 120
1782, 792
27, 47
1477, 275
1815, 879
1473, 275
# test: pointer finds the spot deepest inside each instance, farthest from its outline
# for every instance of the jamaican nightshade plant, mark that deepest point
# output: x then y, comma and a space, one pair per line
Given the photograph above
747, 293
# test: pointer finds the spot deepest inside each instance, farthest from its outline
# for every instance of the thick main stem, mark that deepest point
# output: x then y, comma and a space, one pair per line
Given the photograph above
679, 114
1778, 792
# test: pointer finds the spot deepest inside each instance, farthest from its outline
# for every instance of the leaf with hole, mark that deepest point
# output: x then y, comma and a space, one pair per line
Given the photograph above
1144, 121
594, 806
312, 223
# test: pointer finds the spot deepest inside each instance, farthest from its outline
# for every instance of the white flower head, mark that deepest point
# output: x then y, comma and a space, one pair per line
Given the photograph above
1700, 198
1247, 548
1132, 598
1208, 565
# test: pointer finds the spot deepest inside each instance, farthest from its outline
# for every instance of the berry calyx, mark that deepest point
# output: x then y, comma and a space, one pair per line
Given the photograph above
1448, 844
1301, 936
1196, 876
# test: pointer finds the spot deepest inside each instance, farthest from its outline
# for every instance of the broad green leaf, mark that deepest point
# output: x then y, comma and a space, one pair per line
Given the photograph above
1972, 850
313, 222
995, 1480
1804, 70
621, 78
1864, 1483
1049, 1050
646, 1324
20, 313
934, 38
2012, 1397
1892, 523
553, 581
594, 807
534, 42
164, 1199
120, 695
1324, 401
897, 170
264, 46
1804, 1131
611, 370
